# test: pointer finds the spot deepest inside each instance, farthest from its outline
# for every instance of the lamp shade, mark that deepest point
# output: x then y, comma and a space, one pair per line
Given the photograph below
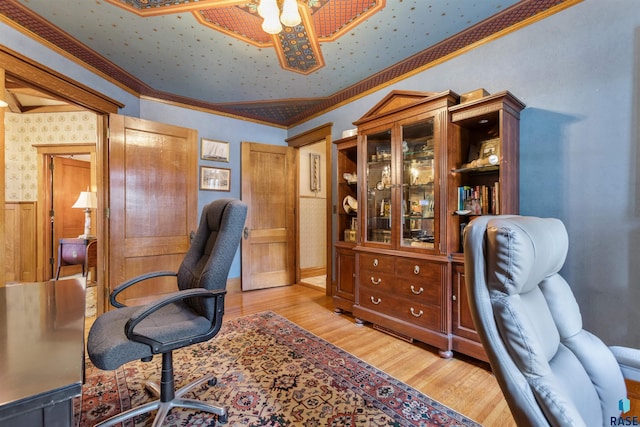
86, 200
290, 14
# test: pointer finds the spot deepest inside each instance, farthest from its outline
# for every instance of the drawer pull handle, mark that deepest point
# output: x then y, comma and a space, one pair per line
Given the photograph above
418, 292
378, 301
413, 312
375, 262
376, 281
416, 269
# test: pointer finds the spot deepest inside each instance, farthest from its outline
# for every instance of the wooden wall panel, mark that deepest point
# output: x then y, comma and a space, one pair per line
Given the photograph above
20, 242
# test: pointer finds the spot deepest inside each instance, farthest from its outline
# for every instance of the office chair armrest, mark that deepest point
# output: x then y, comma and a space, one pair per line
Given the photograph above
147, 310
124, 285
629, 361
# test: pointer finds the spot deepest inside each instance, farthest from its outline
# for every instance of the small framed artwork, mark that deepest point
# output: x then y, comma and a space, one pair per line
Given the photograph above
214, 150
314, 167
215, 179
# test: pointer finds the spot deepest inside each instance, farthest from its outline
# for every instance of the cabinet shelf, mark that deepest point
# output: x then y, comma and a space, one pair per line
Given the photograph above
466, 214
378, 163
417, 186
480, 169
409, 157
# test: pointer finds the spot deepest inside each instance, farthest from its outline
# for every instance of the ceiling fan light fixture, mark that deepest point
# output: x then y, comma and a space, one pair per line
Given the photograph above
268, 9
290, 14
263, 8
272, 25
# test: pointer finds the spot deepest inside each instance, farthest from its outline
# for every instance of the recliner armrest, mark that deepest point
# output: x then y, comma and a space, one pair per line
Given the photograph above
629, 361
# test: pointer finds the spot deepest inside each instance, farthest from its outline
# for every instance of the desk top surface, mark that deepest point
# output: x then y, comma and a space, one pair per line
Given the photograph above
41, 340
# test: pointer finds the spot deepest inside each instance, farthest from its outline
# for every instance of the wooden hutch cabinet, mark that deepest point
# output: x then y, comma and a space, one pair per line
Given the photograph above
426, 165
401, 260
344, 291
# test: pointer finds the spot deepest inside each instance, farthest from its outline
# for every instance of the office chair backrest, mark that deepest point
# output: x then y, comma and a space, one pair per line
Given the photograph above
209, 258
551, 371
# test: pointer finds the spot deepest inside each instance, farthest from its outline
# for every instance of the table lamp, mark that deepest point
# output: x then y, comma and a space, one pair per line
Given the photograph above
87, 201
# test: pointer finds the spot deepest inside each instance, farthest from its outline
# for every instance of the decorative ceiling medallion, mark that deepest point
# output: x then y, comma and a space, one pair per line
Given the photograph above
298, 53
297, 48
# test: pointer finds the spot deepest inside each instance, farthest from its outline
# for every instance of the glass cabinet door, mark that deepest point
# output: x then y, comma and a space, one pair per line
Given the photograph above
418, 187
378, 187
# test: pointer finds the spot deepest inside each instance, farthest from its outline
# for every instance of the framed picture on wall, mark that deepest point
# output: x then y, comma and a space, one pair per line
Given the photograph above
215, 179
214, 150
314, 167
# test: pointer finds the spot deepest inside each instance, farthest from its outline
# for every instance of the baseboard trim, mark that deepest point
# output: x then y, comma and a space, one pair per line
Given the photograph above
234, 285
313, 272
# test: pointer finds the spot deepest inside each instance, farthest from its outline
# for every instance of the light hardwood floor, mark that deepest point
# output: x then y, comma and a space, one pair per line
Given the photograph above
463, 384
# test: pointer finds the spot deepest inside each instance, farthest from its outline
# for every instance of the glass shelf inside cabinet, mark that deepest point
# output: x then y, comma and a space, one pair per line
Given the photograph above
379, 173
418, 190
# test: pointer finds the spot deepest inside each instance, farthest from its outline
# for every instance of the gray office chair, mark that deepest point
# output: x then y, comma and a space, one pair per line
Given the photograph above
551, 371
190, 315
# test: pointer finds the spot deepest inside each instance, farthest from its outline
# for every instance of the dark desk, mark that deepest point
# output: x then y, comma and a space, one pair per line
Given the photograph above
41, 352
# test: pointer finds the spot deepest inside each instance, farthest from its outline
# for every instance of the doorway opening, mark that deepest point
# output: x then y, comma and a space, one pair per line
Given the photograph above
64, 171
68, 175
314, 184
312, 219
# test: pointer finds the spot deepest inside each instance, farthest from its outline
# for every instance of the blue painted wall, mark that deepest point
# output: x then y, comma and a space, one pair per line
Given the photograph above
578, 72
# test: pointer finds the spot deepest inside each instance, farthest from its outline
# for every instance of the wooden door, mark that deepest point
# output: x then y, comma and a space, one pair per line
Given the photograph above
269, 189
153, 179
68, 178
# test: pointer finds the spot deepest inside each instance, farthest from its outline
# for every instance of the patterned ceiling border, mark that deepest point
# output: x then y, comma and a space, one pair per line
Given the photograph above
290, 112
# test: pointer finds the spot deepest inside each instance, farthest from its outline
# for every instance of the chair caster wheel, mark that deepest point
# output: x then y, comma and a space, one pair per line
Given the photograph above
213, 381
223, 419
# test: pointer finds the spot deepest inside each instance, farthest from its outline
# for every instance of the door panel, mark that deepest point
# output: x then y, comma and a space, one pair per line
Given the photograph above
70, 177
153, 200
269, 188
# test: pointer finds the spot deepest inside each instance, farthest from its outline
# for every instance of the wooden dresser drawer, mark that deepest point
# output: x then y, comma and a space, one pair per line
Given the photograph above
422, 315
418, 291
375, 262
422, 292
375, 280
420, 280
427, 270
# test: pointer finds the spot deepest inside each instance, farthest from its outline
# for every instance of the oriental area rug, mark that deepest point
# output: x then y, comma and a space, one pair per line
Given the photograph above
270, 372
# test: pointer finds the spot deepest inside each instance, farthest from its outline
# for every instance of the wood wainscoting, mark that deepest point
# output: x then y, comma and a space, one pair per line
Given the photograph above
20, 242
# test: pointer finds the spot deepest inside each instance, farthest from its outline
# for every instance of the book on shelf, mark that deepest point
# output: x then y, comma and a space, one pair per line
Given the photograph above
480, 199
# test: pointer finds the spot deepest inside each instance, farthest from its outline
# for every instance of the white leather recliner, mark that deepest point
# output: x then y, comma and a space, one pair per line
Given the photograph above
551, 371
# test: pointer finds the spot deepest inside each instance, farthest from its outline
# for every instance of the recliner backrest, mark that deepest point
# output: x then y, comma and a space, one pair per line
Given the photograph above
551, 371
209, 258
